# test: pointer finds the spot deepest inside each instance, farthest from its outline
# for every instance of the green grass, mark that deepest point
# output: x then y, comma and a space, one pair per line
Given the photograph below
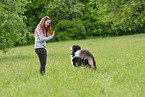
120, 73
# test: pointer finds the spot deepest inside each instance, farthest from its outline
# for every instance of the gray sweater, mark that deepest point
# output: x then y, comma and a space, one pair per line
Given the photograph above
40, 39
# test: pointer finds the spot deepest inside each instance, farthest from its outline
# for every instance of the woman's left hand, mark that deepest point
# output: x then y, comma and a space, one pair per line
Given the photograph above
53, 34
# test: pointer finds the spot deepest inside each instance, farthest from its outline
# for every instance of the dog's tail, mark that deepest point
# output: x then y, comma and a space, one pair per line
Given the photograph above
92, 62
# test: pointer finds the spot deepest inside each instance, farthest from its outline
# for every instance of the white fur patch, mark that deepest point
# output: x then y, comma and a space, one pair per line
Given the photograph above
77, 53
71, 60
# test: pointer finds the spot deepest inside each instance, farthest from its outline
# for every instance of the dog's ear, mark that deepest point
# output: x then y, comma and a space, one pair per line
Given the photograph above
78, 47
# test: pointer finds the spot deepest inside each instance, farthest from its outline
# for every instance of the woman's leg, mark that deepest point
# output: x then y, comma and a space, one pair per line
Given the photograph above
42, 54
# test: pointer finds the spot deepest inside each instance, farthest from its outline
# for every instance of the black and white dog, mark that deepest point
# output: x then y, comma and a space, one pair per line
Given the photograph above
81, 57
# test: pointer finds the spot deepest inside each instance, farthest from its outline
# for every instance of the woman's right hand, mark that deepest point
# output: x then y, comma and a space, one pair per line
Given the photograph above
53, 33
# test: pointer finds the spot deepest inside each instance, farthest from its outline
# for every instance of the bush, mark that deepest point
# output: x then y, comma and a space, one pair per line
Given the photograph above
125, 16
13, 30
64, 10
70, 30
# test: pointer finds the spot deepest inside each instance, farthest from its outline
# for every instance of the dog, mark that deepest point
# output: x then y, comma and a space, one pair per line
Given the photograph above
82, 57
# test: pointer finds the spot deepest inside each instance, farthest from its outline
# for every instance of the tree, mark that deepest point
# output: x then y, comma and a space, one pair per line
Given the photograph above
64, 10
12, 27
92, 23
124, 15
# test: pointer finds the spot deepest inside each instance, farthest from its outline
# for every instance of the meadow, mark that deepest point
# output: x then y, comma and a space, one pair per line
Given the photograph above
120, 73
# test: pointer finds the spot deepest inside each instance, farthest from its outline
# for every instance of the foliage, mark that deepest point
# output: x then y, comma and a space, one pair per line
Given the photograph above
100, 18
84, 1
125, 16
19, 18
12, 27
91, 20
70, 30
64, 10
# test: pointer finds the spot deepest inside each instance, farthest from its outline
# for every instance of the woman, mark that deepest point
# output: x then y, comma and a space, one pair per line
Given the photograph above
42, 34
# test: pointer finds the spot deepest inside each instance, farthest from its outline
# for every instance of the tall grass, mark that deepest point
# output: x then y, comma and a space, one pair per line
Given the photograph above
120, 73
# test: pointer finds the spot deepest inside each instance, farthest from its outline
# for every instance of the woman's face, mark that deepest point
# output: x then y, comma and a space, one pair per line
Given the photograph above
47, 23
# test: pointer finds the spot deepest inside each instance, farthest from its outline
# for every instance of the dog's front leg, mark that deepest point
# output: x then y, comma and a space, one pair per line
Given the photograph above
72, 60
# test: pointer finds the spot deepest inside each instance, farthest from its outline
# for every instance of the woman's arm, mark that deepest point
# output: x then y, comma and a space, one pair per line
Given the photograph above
42, 38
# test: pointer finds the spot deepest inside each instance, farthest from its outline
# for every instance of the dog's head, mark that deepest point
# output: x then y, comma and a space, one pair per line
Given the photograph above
74, 48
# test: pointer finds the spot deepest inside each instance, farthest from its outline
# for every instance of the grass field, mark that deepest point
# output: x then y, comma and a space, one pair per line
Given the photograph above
120, 73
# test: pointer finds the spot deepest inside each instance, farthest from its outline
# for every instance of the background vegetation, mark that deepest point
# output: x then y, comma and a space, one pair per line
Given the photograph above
72, 19
120, 73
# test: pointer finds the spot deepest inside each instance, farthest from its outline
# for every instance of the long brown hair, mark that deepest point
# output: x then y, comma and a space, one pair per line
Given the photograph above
41, 25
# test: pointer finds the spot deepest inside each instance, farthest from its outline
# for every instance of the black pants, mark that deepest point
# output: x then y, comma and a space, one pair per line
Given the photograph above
42, 54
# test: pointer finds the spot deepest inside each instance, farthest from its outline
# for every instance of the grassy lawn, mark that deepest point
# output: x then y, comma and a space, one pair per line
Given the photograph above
120, 73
